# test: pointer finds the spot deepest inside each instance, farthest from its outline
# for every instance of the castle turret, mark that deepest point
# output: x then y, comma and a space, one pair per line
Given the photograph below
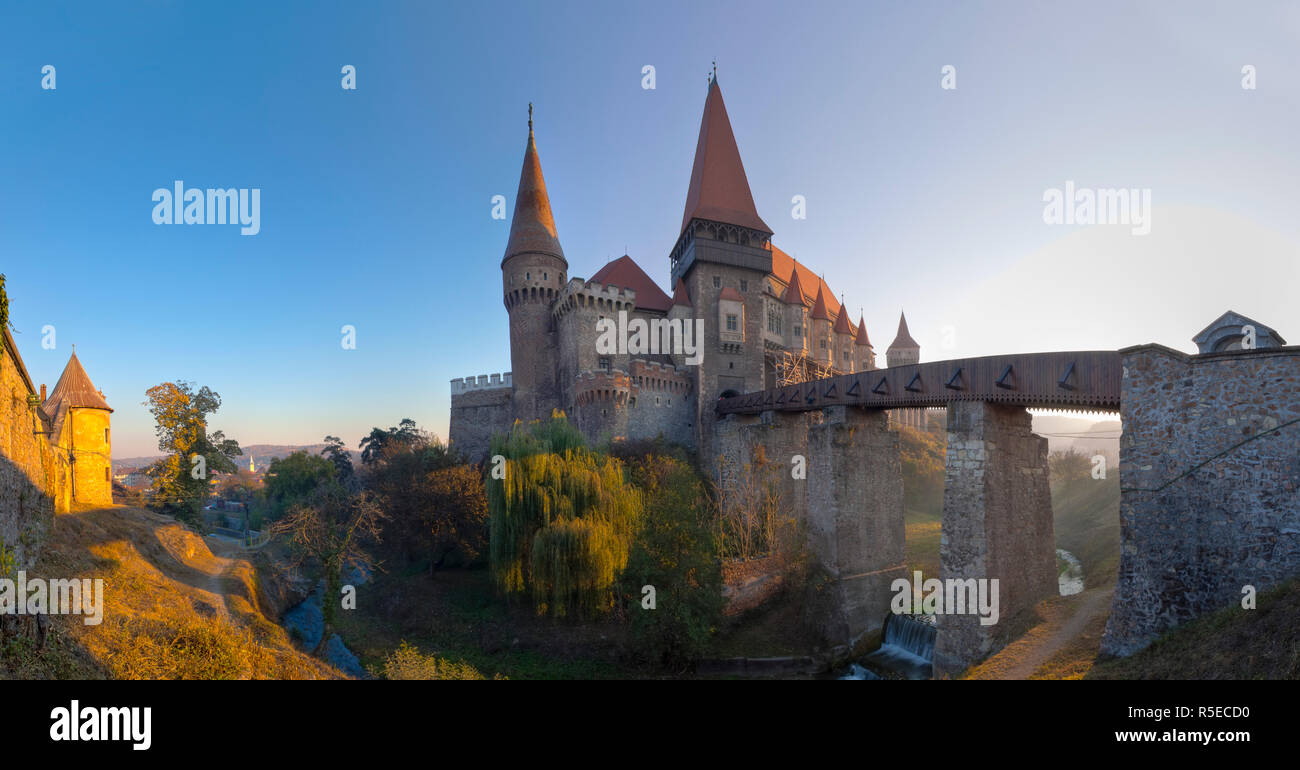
820, 342
903, 350
79, 420
796, 318
843, 353
866, 356
533, 271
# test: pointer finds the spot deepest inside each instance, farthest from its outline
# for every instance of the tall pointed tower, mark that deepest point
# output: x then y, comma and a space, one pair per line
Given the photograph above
533, 271
903, 350
722, 248
79, 427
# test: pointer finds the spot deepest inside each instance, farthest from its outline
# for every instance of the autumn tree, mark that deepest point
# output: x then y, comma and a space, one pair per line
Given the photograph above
180, 479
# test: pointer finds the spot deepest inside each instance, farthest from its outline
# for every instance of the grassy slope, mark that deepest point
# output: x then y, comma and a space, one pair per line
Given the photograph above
1234, 643
172, 609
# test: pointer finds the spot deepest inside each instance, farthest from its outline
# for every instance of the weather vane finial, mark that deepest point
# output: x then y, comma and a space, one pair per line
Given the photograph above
715, 69
530, 118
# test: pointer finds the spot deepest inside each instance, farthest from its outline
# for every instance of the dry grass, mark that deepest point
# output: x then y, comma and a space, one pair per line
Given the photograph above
172, 608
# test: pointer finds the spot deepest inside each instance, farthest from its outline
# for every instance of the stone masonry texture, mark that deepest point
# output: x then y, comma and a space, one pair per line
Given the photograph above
1209, 469
997, 523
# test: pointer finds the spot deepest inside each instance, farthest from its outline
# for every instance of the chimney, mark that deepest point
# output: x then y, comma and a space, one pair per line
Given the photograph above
42, 393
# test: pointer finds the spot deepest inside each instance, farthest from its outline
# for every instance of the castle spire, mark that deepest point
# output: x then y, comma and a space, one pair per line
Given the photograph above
842, 320
903, 339
532, 228
794, 291
862, 338
819, 310
719, 189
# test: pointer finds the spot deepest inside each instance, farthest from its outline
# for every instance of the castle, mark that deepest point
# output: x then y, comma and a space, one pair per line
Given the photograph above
55, 451
767, 320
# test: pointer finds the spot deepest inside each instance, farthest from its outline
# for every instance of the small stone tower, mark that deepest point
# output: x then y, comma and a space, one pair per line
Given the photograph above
78, 417
904, 350
533, 272
866, 356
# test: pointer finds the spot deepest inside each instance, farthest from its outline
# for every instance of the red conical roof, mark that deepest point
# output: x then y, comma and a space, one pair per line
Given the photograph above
532, 228
75, 387
862, 333
719, 189
842, 321
903, 338
680, 295
794, 291
819, 306
624, 272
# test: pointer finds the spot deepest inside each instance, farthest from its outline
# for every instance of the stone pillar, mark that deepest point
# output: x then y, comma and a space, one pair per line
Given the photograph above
855, 516
997, 523
780, 436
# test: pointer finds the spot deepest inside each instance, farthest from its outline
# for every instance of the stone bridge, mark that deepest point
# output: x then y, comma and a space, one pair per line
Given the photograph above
1209, 478
997, 508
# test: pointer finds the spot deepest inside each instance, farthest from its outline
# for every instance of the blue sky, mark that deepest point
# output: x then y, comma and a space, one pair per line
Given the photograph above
375, 203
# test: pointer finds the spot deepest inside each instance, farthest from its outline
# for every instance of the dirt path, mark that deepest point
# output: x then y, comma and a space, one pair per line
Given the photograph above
1065, 620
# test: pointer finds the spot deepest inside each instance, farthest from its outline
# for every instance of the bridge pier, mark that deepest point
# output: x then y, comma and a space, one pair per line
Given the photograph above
997, 524
855, 516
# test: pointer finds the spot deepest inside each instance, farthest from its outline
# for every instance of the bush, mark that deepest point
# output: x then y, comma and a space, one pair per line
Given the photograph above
676, 552
407, 662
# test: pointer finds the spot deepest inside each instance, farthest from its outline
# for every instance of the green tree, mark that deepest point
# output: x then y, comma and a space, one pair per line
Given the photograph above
294, 479
380, 441
562, 519
676, 555
337, 453
181, 479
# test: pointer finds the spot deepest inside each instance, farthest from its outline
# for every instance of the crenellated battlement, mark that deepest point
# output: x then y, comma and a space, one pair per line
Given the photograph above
578, 293
481, 382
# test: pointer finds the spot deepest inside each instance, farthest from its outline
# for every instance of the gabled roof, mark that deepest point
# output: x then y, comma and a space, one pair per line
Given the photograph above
731, 294
862, 338
719, 189
626, 273
784, 266
819, 306
903, 339
75, 387
532, 228
680, 295
1229, 328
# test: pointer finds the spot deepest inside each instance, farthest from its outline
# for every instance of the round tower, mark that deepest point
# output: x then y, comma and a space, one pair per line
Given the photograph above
80, 429
533, 272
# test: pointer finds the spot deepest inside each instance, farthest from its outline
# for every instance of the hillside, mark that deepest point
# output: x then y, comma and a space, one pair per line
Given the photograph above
1234, 643
262, 454
171, 608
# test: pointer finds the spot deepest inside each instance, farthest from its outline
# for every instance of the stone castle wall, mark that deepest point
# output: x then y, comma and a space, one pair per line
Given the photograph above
479, 410
28, 477
1209, 470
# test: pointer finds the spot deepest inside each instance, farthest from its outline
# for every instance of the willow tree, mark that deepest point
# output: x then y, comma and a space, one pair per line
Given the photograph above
562, 518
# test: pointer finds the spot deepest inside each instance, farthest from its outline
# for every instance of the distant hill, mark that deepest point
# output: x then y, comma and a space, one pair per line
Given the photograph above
1083, 435
262, 455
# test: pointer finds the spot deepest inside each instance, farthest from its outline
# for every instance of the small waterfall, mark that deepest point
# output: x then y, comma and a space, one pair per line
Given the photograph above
1070, 581
908, 647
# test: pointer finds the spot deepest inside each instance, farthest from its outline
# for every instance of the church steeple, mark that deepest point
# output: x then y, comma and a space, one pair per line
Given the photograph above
719, 190
532, 229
